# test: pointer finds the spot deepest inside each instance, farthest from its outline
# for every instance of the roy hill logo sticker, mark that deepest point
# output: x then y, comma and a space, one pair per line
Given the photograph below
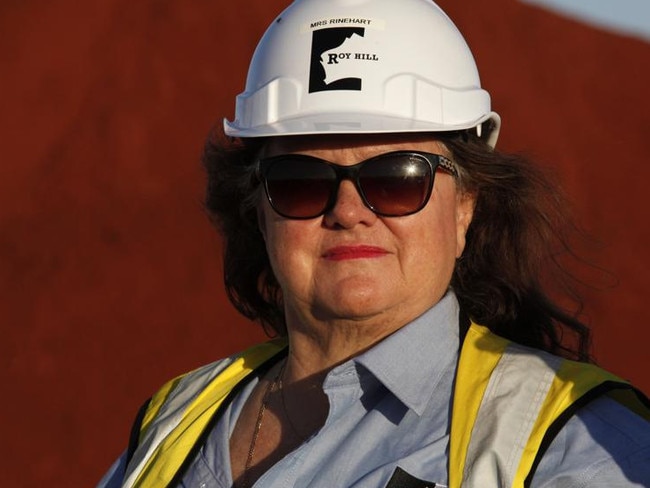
335, 56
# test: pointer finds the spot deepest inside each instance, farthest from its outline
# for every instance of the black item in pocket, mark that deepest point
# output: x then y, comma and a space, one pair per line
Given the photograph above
401, 479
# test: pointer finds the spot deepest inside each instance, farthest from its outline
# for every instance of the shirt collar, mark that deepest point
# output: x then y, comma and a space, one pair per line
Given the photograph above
411, 362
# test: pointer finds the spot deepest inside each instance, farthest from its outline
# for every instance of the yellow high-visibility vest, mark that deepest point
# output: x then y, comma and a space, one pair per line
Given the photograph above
508, 402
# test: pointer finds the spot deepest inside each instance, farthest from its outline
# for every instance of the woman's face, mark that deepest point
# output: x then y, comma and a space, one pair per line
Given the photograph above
351, 264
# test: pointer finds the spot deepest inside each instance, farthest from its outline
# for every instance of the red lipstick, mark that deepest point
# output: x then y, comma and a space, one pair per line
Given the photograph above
340, 253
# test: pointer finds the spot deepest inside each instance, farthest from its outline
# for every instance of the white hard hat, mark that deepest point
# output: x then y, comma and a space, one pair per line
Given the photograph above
362, 66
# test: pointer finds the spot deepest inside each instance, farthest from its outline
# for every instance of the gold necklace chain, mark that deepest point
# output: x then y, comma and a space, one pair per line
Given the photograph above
271, 387
286, 410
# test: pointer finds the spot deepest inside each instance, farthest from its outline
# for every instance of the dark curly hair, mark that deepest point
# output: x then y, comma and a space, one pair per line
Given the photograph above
502, 280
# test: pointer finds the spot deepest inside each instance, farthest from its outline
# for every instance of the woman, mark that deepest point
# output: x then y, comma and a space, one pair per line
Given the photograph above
371, 225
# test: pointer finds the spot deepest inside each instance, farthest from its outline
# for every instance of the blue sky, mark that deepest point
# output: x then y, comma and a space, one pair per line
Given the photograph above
628, 17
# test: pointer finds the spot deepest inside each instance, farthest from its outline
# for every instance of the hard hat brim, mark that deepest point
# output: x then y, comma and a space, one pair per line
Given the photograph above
356, 123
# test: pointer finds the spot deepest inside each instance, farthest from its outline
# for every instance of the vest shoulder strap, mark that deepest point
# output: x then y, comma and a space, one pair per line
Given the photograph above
508, 399
179, 413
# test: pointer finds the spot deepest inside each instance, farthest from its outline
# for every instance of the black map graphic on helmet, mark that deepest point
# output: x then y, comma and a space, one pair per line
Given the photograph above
324, 40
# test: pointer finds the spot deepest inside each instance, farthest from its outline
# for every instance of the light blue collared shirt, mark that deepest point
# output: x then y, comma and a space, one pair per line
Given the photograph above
390, 408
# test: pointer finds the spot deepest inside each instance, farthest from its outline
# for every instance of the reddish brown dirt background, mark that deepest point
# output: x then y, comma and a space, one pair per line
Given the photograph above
109, 271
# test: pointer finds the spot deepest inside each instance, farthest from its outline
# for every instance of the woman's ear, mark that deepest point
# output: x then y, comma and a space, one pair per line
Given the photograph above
465, 203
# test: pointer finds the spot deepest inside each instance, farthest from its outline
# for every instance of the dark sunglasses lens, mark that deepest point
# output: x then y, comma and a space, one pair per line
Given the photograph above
299, 188
396, 185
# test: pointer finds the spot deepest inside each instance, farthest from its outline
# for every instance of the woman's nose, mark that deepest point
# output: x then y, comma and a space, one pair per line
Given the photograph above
349, 208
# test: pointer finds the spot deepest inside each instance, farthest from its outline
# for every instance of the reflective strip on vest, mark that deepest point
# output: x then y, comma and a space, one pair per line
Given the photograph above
181, 410
513, 399
505, 399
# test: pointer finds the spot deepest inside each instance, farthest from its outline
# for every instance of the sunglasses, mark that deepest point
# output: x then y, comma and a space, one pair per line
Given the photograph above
393, 184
